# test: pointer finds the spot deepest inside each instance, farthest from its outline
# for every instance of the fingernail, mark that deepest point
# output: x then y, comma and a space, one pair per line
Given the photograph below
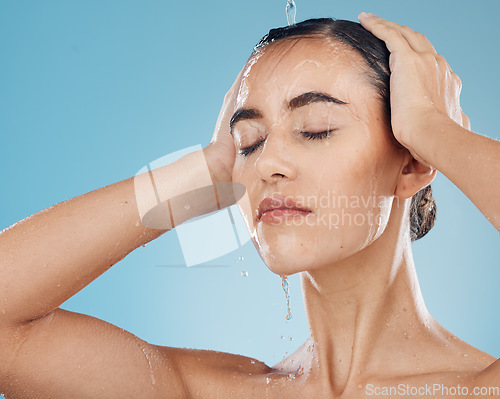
367, 14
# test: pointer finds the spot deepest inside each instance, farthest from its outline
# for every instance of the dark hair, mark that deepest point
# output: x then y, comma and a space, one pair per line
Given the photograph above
376, 55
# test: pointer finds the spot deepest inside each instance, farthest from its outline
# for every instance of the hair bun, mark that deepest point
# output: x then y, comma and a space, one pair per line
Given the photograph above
422, 213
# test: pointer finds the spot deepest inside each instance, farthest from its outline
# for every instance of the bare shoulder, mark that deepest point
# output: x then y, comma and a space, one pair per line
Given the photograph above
480, 371
194, 358
71, 355
490, 376
79, 356
482, 368
213, 374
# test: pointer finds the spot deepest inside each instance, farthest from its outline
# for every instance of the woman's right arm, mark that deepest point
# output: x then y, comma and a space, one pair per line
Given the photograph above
48, 257
51, 255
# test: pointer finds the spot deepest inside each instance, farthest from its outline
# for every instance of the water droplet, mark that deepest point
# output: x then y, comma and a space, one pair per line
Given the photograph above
290, 338
240, 259
187, 206
137, 224
284, 284
144, 246
282, 337
268, 380
153, 379
291, 376
244, 273
252, 361
466, 355
291, 11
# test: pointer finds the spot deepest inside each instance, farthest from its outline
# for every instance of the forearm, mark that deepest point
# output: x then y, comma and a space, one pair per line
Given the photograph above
469, 160
48, 257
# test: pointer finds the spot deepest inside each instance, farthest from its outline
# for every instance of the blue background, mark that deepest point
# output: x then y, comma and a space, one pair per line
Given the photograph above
91, 91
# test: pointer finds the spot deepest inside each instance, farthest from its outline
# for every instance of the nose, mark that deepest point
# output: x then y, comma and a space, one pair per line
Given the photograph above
275, 162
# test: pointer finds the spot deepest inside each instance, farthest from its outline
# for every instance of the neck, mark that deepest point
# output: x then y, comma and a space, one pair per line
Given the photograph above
363, 311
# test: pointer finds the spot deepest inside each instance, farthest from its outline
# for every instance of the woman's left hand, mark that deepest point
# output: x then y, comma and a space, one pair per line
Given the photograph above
422, 84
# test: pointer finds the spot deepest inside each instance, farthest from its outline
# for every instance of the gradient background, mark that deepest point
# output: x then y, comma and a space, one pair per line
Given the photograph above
91, 91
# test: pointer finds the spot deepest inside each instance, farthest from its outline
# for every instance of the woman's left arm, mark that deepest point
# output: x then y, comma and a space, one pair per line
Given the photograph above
427, 119
469, 160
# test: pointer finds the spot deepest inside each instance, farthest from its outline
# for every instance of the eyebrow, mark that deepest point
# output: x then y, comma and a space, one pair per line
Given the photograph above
313, 97
297, 102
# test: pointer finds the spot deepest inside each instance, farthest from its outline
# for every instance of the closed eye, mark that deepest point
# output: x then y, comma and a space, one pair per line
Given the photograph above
309, 136
248, 150
317, 136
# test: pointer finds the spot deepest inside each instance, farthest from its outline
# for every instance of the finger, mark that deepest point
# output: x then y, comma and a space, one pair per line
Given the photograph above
237, 80
227, 107
234, 87
382, 28
465, 121
393, 39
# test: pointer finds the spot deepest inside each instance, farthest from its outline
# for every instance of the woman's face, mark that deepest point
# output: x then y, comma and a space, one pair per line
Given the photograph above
309, 127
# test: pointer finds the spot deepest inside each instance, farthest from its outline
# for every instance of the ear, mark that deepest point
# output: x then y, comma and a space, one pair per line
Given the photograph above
413, 177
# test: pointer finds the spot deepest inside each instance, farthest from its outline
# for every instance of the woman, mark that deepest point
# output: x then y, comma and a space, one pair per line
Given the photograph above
304, 122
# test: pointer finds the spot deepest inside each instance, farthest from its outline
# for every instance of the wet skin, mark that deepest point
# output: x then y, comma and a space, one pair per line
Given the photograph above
367, 318
366, 325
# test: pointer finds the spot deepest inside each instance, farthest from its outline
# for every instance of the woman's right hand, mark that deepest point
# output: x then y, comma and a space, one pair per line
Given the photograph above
221, 152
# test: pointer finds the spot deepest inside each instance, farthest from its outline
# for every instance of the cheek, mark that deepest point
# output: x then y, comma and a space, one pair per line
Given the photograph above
354, 197
245, 175
244, 172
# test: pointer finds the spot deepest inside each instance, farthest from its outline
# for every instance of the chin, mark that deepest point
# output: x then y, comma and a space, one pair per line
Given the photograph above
287, 250
283, 267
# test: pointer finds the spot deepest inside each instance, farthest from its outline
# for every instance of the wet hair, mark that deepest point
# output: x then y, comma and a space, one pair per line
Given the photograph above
376, 55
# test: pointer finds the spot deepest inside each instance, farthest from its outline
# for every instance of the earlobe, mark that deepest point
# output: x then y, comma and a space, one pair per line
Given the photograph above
412, 178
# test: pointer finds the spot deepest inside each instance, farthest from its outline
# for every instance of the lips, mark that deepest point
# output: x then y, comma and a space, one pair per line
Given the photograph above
279, 207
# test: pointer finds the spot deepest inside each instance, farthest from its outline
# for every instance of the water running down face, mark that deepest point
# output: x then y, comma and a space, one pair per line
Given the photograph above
309, 126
